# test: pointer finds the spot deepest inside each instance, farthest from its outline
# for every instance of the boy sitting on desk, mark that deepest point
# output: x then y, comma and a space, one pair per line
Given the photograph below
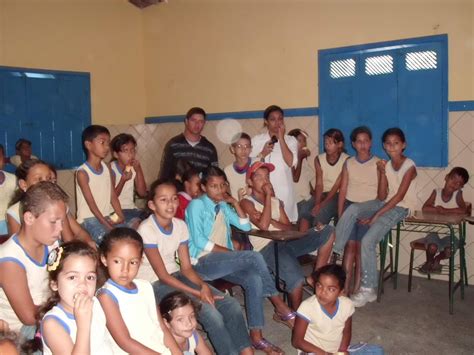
447, 200
266, 212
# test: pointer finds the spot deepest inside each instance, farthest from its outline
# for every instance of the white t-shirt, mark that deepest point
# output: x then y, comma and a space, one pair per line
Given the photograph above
362, 181
331, 171
282, 177
36, 276
452, 203
395, 178
99, 339
126, 196
167, 244
139, 313
7, 190
324, 329
100, 185
302, 187
236, 179
259, 243
16, 159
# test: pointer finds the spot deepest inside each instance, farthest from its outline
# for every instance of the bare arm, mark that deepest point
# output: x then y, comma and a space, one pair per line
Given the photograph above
60, 342
346, 335
429, 205
342, 190
202, 348
140, 184
318, 190
261, 219
285, 150
114, 201
382, 183
15, 285
298, 341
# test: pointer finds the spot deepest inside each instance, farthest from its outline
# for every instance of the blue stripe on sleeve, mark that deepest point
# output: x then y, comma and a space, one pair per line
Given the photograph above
14, 260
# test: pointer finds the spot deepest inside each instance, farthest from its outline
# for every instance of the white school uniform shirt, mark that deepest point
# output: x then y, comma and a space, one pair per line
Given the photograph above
126, 196
100, 185
14, 212
139, 313
99, 335
36, 277
324, 329
331, 172
282, 177
166, 242
395, 178
362, 183
451, 203
302, 187
259, 243
236, 179
7, 190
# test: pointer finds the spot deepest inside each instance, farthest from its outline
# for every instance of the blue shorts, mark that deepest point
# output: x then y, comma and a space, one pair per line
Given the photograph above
441, 243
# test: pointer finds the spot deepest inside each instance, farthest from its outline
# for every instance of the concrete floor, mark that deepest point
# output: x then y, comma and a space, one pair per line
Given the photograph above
404, 323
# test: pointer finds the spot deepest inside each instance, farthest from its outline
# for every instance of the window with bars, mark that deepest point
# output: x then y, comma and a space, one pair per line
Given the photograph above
390, 84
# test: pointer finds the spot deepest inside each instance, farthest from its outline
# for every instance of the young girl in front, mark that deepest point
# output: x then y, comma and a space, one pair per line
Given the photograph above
179, 313
328, 167
324, 321
28, 174
190, 184
209, 219
129, 303
398, 176
23, 275
72, 320
127, 176
167, 259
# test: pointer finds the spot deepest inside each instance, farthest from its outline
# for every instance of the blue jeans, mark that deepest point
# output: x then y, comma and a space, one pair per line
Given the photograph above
326, 214
247, 269
373, 236
132, 215
96, 229
224, 323
290, 270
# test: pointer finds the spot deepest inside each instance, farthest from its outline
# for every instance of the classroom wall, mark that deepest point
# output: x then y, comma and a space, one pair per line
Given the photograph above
238, 55
103, 37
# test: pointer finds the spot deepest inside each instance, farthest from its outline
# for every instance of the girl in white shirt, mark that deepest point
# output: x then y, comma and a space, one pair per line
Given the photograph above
129, 303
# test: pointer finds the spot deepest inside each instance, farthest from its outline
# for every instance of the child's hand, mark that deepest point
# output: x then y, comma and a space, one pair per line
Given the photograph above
381, 165
281, 131
242, 192
83, 309
229, 199
207, 296
135, 163
267, 149
316, 209
127, 174
268, 189
303, 153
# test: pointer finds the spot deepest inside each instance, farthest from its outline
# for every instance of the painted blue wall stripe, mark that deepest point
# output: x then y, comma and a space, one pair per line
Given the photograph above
461, 106
291, 112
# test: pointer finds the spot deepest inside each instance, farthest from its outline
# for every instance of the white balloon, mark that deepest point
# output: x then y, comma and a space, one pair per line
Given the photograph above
227, 129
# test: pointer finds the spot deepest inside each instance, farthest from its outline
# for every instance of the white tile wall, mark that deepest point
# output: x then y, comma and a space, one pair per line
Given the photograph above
151, 139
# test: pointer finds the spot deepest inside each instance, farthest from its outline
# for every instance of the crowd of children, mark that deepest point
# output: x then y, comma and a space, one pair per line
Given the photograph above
120, 280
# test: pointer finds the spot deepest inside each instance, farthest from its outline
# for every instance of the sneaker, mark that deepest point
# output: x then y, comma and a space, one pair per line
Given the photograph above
363, 296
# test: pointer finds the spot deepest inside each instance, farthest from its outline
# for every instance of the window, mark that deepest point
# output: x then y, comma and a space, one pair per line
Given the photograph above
381, 85
49, 108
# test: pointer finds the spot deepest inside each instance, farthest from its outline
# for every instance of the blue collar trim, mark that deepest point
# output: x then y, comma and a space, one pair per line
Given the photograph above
45, 252
162, 230
122, 288
96, 172
329, 314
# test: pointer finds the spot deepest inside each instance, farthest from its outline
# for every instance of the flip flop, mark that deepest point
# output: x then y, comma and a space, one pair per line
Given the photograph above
285, 319
267, 347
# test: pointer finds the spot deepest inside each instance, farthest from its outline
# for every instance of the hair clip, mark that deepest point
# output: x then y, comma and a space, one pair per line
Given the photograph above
54, 258
200, 175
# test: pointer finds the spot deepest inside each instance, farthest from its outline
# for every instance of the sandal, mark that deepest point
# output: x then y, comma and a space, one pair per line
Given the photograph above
267, 347
286, 319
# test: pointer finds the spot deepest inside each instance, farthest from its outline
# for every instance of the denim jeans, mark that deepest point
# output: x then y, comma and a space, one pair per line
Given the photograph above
324, 216
290, 270
96, 229
224, 323
247, 269
348, 220
370, 240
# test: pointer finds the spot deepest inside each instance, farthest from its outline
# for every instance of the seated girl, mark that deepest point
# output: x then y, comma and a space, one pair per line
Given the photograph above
168, 266
209, 218
324, 321
267, 213
129, 303
179, 313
